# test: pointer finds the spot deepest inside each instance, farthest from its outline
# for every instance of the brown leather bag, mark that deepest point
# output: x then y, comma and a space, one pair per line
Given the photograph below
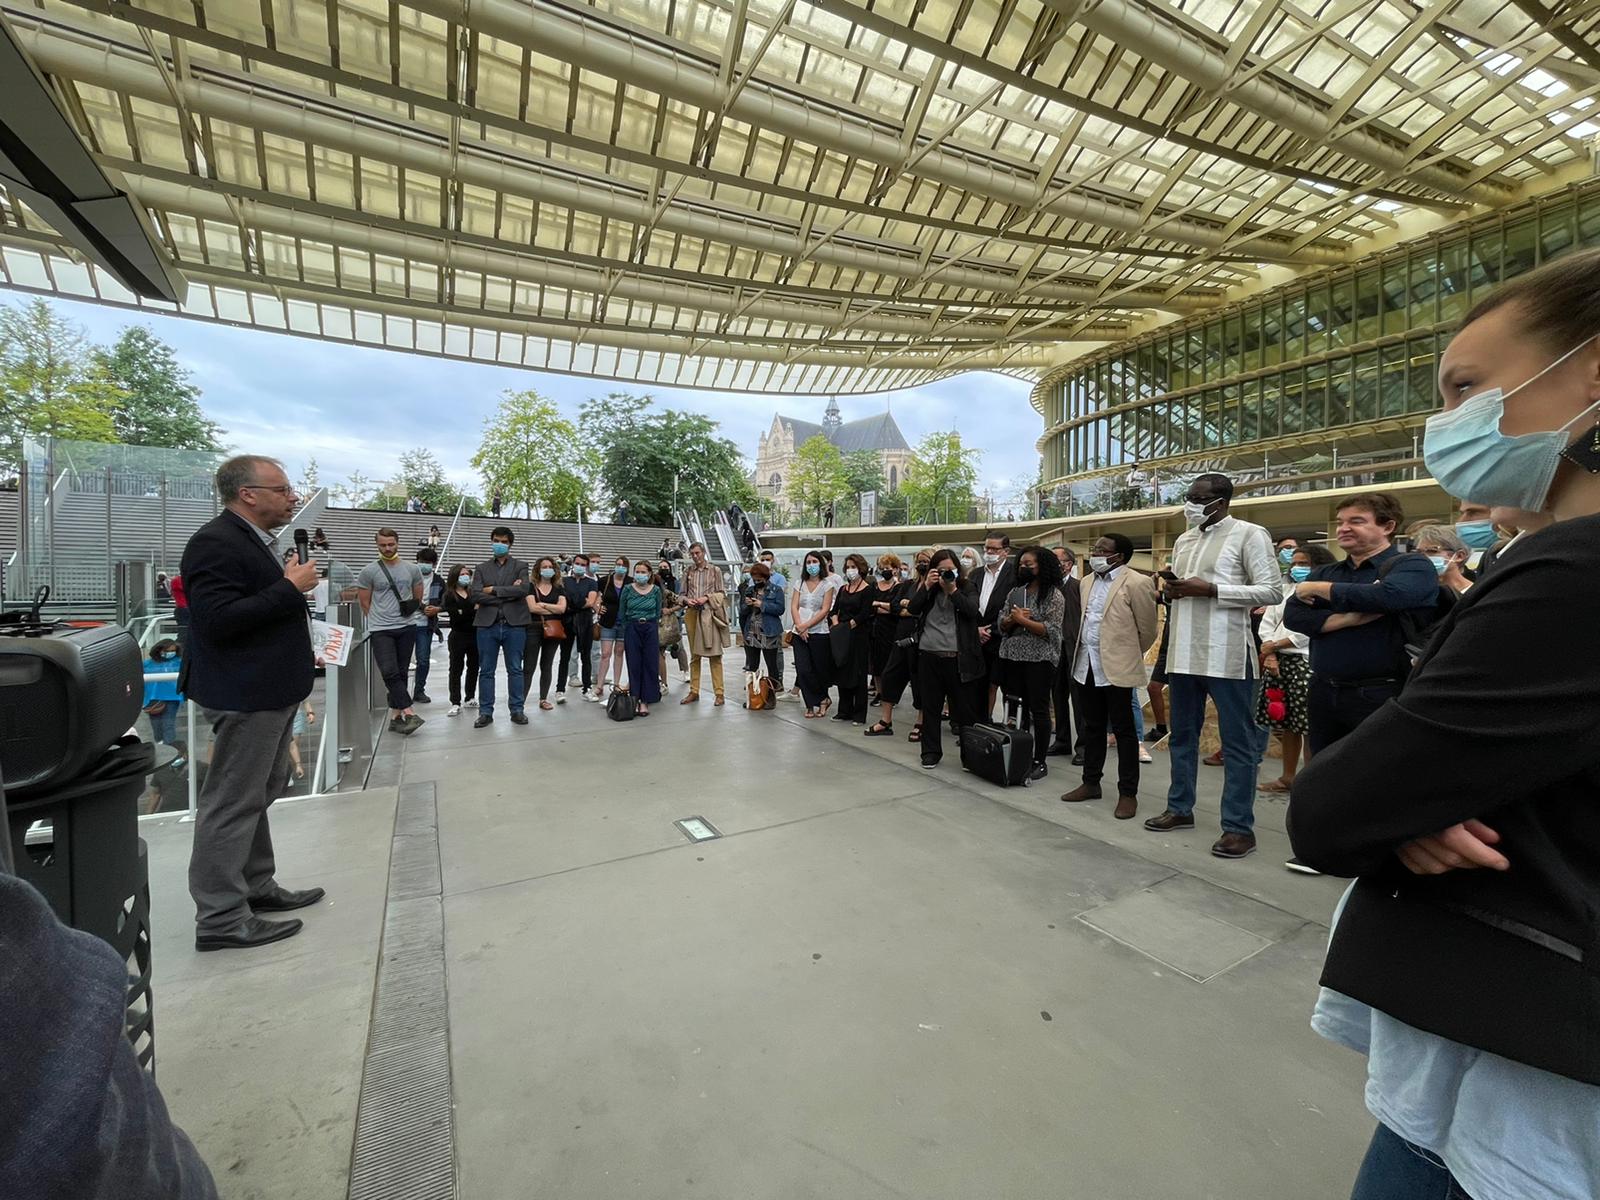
759, 693
554, 630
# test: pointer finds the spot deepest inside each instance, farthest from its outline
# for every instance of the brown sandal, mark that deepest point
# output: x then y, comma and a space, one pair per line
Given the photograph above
1274, 785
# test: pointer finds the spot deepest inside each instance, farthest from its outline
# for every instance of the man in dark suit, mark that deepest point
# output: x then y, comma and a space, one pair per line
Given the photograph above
500, 590
249, 667
990, 587
1069, 734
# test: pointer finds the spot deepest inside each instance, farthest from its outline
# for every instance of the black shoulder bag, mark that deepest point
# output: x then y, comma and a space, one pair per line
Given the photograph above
408, 608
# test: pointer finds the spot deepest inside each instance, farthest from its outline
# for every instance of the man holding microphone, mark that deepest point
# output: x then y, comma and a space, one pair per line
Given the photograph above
249, 667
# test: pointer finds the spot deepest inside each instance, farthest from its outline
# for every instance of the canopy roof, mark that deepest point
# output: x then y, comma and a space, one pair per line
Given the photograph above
782, 195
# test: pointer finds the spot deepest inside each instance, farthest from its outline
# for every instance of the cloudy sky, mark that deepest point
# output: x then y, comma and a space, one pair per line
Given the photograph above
354, 408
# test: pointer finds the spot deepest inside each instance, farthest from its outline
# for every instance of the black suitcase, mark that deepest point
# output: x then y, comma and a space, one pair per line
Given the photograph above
997, 753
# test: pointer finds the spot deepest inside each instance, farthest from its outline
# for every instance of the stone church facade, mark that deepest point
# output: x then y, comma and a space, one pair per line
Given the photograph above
775, 454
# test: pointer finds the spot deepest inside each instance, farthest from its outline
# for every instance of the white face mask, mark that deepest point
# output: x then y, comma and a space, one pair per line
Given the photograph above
905, 574
1194, 513
852, 574
991, 559
1099, 564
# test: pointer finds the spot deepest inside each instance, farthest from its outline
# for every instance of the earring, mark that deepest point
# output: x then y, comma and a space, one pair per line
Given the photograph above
1585, 452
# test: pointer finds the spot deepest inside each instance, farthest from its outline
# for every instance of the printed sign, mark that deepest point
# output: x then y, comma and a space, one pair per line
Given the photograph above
332, 643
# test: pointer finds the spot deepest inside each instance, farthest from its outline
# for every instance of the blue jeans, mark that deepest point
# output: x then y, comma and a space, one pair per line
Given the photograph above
164, 728
1138, 716
1394, 1169
513, 639
424, 648
1240, 746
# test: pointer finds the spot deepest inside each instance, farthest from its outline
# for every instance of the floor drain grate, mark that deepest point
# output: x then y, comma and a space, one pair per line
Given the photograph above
405, 1134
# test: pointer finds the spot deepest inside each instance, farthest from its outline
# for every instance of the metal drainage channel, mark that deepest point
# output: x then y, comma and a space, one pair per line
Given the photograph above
405, 1133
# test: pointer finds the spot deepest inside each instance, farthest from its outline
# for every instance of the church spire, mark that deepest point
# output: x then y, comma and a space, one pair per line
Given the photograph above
831, 420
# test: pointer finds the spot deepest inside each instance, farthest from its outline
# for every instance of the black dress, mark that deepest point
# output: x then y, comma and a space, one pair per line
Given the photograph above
851, 650
881, 640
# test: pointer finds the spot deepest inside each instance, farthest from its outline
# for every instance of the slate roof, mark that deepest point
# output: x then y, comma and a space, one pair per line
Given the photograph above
869, 433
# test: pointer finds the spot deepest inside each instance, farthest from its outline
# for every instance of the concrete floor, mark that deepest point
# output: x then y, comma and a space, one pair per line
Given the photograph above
880, 982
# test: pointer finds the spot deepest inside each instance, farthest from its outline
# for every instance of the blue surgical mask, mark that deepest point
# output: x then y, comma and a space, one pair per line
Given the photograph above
640, 577
547, 572
1479, 535
1439, 564
425, 568
1472, 460
813, 569
1299, 574
747, 578
579, 569
619, 571
1286, 555
500, 549
464, 580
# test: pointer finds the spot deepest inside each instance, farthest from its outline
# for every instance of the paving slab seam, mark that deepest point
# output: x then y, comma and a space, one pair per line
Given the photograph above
405, 1144
726, 837
999, 796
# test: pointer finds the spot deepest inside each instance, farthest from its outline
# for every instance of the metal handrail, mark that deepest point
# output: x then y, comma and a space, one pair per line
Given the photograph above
461, 505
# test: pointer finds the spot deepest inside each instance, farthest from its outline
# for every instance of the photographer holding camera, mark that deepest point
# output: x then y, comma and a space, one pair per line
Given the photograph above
949, 655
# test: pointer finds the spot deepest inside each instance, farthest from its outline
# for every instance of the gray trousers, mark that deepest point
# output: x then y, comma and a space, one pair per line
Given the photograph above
232, 856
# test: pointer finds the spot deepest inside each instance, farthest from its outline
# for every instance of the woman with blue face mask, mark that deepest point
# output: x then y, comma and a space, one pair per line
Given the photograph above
463, 642
1463, 960
547, 601
610, 631
1448, 554
640, 618
813, 655
1286, 668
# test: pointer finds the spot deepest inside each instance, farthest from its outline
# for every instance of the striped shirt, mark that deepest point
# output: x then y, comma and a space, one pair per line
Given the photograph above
1212, 637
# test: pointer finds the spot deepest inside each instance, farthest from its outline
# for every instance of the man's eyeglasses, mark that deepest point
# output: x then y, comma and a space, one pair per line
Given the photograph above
283, 488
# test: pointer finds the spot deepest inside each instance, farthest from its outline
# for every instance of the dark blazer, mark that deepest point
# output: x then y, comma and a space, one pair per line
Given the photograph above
989, 613
249, 642
509, 579
1496, 721
1071, 618
611, 599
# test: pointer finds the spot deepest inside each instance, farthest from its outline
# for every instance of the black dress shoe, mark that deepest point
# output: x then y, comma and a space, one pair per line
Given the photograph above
483, 720
421, 698
1168, 821
254, 932
1059, 748
1077, 758
283, 900
519, 718
1039, 772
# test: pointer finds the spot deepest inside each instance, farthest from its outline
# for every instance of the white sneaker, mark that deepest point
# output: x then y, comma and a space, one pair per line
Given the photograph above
591, 698
1144, 755
455, 711
561, 697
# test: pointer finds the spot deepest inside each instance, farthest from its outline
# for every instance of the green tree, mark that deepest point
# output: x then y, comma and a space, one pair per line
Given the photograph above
941, 480
644, 457
355, 491
863, 472
50, 382
817, 476
159, 406
310, 478
527, 448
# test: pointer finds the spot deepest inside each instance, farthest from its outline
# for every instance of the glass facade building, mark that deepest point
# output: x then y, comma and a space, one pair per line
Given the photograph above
1337, 366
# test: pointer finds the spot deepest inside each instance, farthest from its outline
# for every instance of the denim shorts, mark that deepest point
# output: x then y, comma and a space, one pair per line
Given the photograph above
614, 634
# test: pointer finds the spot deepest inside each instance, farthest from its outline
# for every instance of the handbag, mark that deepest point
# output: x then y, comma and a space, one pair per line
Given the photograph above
839, 642
408, 608
155, 708
620, 707
554, 629
759, 693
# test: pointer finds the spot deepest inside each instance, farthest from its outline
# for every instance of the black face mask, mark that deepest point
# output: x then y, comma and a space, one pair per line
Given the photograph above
886, 574
1026, 575
922, 568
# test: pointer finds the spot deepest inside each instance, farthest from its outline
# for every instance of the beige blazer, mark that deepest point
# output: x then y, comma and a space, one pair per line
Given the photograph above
1127, 628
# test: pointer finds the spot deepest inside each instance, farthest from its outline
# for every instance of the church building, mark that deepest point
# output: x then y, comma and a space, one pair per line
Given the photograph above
776, 452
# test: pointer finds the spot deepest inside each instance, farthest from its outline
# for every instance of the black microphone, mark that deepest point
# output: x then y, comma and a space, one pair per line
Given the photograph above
302, 546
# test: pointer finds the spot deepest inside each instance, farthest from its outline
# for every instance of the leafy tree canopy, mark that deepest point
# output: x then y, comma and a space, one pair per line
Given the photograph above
159, 405
942, 479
